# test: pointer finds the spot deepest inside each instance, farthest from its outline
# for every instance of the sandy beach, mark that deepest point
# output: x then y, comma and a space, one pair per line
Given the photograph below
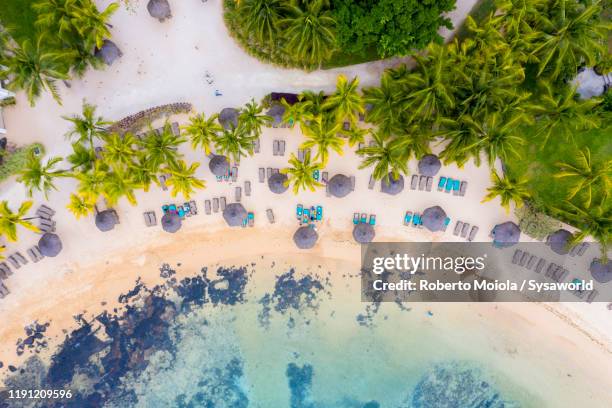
559, 353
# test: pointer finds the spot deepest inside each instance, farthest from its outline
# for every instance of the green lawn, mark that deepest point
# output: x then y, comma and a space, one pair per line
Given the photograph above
538, 164
343, 59
17, 16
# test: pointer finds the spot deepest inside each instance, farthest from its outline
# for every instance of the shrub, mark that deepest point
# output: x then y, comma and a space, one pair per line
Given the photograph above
14, 162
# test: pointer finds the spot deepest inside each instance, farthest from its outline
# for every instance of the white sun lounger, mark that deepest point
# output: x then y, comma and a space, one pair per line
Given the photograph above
238, 194
414, 180
257, 146
473, 233
464, 230
215, 204
270, 215
463, 188
5, 270
13, 261
247, 188
275, 147
34, 254
268, 172
162, 181
429, 183
517, 256
324, 177
207, 207
3, 291
458, 227
176, 130
234, 173
262, 175
301, 155
540, 265
281, 148
222, 203
422, 182
591, 296
352, 178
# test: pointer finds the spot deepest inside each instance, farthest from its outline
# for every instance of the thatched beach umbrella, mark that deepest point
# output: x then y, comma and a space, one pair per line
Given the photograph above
108, 53
105, 220
601, 272
278, 183
219, 165
305, 237
50, 244
558, 241
234, 214
429, 165
228, 118
159, 9
339, 185
363, 233
171, 222
276, 112
506, 234
392, 185
433, 218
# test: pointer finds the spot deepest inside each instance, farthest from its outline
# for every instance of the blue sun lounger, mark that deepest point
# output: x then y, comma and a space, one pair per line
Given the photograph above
319, 213
315, 174
447, 221
407, 217
416, 220
306, 214
441, 183
449, 185
355, 218
364, 218
172, 208
456, 185
372, 219
164, 209
181, 212
299, 210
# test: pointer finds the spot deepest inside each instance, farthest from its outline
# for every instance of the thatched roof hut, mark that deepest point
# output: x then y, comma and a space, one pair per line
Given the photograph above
305, 237
506, 234
339, 185
559, 240
50, 244
601, 272
290, 98
433, 218
171, 222
108, 53
429, 165
392, 185
278, 183
106, 220
219, 165
363, 233
159, 9
228, 118
276, 112
234, 214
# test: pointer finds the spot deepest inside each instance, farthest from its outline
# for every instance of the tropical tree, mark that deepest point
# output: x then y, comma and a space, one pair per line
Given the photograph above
414, 140
499, 133
183, 180
117, 184
56, 16
561, 113
81, 158
80, 205
507, 189
595, 222
37, 176
31, 68
9, 220
355, 135
143, 174
586, 175
301, 173
251, 119
293, 114
386, 155
91, 183
345, 103
87, 127
311, 103
92, 24
383, 103
162, 148
310, 33
462, 142
203, 131
322, 132
234, 143
119, 149
261, 17
572, 33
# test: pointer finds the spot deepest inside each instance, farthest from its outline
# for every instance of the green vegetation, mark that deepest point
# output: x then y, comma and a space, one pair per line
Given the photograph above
51, 40
311, 34
9, 220
15, 162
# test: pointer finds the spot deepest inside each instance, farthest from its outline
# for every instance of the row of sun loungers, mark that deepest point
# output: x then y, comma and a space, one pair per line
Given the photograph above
579, 249
302, 154
414, 220
247, 188
238, 194
3, 291
278, 148
463, 230
363, 218
217, 204
45, 212
422, 182
371, 183
150, 218
34, 254
448, 184
45, 219
5, 270
537, 264
17, 260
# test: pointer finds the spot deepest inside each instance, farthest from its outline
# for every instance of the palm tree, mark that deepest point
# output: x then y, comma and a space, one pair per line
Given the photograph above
143, 174
55, 16
92, 24
346, 102
37, 176
301, 173
310, 33
10, 220
561, 113
355, 135
119, 149
80, 205
87, 127
414, 140
323, 133
183, 179
117, 184
251, 118
594, 221
571, 34
234, 143
202, 131
508, 189
261, 17
33, 69
293, 112
91, 182
386, 155
499, 133
311, 103
586, 175
463, 143
162, 148
81, 158
383, 104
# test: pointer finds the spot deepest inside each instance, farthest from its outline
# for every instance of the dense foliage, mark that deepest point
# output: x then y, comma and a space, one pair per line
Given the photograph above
307, 34
393, 27
52, 41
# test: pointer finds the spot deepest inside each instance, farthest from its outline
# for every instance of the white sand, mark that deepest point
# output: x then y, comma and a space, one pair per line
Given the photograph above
165, 63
